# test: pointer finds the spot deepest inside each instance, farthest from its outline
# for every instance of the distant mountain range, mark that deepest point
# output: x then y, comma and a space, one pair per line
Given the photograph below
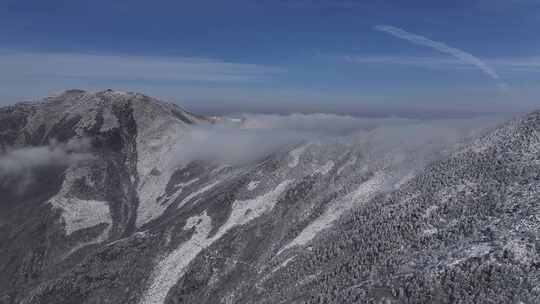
95, 208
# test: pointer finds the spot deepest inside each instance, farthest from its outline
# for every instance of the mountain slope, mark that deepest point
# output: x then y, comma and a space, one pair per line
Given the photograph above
334, 221
68, 205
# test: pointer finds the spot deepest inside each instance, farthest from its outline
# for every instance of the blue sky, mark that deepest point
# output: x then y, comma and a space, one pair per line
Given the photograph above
279, 56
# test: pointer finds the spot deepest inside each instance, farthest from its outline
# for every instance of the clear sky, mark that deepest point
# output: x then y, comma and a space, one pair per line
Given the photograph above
279, 56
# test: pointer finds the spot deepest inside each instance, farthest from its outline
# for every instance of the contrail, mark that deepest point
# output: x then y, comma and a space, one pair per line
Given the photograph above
443, 48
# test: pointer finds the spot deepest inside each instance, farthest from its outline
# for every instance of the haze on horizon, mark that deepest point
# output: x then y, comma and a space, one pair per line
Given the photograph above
421, 58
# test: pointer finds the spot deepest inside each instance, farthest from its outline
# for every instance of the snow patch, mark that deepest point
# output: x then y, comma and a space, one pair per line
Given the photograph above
155, 151
295, 156
179, 189
170, 269
325, 169
245, 210
110, 121
266, 276
350, 162
159, 134
521, 252
429, 211
283, 264
197, 193
445, 194
430, 231
77, 213
404, 179
252, 185
473, 252
87, 121
363, 193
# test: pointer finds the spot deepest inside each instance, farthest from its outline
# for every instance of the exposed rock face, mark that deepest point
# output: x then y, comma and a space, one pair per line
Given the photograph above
323, 223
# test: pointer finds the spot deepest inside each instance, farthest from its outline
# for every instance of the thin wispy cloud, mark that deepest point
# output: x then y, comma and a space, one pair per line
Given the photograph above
438, 63
527, 64
504, 65
443, 48
129, 68
345, 4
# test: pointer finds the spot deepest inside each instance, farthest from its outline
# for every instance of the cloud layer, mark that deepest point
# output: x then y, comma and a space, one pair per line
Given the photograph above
23, 160
253, 137
233, 145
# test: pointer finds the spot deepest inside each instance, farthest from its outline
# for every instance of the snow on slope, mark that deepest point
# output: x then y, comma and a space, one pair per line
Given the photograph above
171, 268
295, 156
336, 209
350, 162
169, 198
155, 166
158, 134
252, 185
194, 194
77, 213
325, 169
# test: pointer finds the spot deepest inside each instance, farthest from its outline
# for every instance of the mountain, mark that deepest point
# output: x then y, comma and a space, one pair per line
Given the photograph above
97, 208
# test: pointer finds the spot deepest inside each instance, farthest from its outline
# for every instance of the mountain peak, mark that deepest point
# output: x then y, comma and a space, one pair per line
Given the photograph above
77, 112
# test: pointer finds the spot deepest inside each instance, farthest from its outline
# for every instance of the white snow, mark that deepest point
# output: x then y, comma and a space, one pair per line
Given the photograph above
364, 192
188, 183
521, 253
156, 142
110, 121
88, 119
430, 211
170, 269
179, 189
252, 185
474, 251
159, 134
192, 195
283, 264
404, 179
295, 156
446, 193
430, 231
269, 274
151, 186
325, 168
246, 210
77, 213
350, 162
118, 93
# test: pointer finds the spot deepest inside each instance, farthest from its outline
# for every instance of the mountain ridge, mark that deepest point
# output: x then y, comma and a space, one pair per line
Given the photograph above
324, 222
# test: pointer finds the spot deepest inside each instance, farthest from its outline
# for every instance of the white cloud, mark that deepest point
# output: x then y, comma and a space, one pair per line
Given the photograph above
526, 64
505, 65
441, 47
21, 160
258, 136
233, 145
423, 62
44, 66
319, 123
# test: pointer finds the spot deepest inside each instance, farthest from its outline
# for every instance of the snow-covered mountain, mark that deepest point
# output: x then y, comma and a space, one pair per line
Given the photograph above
97, 208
